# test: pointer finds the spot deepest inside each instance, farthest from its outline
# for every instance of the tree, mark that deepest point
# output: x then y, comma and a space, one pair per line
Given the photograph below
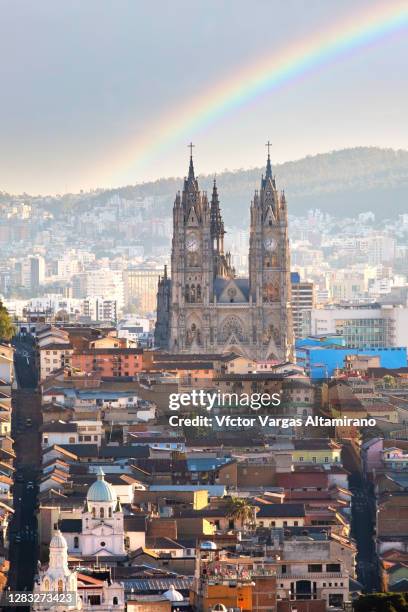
389, 381
241, 509
381, 602
6, 326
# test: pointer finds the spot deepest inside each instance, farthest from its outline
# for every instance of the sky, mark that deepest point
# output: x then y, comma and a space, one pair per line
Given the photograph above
89, 88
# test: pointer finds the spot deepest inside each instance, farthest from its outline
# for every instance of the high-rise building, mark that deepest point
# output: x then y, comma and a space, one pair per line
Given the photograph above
140, 286
205, 307
302, 302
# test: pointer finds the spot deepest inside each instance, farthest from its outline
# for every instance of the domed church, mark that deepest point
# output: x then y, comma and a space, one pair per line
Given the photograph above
102, 521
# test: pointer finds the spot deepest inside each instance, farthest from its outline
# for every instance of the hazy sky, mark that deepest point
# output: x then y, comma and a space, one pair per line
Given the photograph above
84, 82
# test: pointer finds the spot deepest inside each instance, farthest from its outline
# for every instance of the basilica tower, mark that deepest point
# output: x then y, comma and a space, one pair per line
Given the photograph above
269, 268
197, 258
204, 307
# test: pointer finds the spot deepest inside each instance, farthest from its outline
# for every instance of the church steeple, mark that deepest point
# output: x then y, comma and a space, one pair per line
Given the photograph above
191, 175
268, 174
268, 163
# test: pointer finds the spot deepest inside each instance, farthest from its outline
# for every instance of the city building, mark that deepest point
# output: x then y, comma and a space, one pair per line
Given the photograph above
140, 289
302, 302
365, 326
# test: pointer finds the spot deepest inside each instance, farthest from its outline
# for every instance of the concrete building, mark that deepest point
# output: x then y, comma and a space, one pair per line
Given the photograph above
302, 302
369, 326
140, 288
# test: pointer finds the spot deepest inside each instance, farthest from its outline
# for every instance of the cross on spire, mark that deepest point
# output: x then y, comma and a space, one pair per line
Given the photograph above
268, 144
191, 146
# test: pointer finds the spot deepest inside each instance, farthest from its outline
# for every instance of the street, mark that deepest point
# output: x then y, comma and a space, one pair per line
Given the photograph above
26, 420
363, 531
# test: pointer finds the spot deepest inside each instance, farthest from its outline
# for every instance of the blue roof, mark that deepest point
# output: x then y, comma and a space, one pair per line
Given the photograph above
204, 464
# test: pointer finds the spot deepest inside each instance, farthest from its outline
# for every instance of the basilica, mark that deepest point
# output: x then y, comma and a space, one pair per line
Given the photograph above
204, 307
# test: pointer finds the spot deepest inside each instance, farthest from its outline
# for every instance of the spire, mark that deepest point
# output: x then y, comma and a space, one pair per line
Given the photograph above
216, 220
268, 162
191, 175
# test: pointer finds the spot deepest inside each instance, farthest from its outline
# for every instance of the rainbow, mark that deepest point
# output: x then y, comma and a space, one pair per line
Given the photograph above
266, 74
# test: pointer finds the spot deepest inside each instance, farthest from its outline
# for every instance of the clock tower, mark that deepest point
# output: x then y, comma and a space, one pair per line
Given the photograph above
197, 258
204, 307
269, 271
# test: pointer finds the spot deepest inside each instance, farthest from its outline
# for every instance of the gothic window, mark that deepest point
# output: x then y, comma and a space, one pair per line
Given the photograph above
232, 326
46, 585
193, 294
102, 513
198, 293
187, 293
60, 586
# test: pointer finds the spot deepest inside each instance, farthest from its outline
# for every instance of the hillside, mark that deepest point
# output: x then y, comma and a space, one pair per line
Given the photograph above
342, 183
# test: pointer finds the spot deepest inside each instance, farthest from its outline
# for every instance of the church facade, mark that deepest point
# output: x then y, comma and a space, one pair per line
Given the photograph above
204, 307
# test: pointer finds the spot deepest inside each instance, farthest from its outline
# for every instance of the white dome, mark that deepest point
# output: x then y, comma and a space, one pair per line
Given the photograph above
100, 490
173, 595
58, 540
219, 608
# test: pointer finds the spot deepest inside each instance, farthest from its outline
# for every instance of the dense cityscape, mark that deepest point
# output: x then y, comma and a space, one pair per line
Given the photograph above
204, 306
117, 485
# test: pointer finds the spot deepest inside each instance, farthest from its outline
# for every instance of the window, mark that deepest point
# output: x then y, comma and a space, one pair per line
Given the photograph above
285, 523
301, 458
314, 459
115, 601
76, 542
326, 460
103, 544
60, 586
296, 523
102, 513
333, 567
314, 567
284, 569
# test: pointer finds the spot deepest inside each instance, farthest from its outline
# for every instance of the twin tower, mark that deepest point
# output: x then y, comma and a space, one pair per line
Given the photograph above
205, 307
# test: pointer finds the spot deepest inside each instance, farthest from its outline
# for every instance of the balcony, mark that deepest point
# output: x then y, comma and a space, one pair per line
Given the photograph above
313, 576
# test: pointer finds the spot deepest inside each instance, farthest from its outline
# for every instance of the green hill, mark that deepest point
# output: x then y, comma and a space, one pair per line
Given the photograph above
343, 183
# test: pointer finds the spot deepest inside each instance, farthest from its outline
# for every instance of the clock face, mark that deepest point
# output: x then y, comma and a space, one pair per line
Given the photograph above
270, 244
192, 244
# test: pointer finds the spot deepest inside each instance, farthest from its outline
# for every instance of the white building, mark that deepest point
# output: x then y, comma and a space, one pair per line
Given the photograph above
373, 326
100, 309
